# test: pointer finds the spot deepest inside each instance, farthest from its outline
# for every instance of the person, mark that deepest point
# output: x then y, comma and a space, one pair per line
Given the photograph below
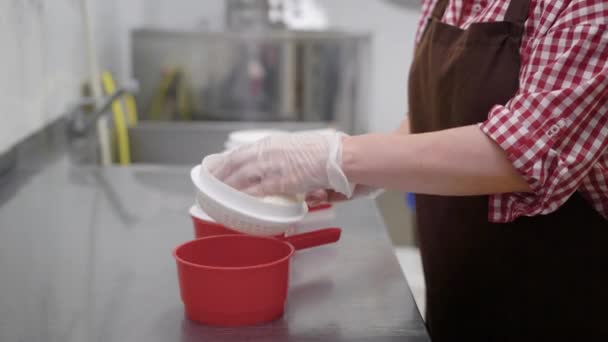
506, 147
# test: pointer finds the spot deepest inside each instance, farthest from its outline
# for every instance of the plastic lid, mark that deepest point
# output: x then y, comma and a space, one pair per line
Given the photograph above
242, 202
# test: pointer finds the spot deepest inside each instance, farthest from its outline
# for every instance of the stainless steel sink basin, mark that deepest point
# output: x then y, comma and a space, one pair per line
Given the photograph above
185, 143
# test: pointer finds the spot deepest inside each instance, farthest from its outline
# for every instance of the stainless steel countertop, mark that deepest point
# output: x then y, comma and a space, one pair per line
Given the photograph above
85, 255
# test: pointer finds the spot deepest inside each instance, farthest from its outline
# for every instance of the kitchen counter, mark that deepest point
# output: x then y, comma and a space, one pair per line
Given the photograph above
85, 255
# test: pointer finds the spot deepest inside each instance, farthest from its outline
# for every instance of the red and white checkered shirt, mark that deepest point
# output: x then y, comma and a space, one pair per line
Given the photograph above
555, 128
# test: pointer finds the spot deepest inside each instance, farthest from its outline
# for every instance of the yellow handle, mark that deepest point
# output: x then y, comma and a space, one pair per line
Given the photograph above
122, 133
131, 110
156, 109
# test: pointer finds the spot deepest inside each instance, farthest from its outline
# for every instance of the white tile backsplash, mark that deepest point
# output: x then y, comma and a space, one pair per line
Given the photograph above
42, 64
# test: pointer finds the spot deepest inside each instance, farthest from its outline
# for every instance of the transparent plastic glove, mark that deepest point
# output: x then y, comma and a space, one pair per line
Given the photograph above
287, 164
318, 197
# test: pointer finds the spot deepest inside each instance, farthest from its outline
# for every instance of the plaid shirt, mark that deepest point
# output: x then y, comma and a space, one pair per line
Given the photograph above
555, 128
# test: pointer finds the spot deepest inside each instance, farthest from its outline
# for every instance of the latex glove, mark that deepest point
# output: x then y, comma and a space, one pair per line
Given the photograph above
287, 164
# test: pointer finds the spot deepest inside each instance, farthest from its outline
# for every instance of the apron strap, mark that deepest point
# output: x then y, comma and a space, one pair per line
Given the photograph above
439, 9
517, 11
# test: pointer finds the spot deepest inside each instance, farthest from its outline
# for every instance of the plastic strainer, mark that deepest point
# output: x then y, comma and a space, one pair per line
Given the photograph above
248, 136
239, 211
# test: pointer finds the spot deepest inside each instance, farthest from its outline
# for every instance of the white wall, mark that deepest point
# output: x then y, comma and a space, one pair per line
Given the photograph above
43, 61
36, 79
393, 30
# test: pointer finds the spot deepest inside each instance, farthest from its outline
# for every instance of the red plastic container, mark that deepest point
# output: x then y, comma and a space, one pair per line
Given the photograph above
205, 226
235, 280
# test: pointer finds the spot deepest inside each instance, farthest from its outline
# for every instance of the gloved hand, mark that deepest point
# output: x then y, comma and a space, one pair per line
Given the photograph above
318, 197
286, 164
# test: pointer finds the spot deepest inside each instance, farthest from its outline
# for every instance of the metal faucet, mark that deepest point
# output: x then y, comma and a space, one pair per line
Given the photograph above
80, 122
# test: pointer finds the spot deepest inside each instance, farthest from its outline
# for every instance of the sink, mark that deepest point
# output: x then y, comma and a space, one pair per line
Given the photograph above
185, 143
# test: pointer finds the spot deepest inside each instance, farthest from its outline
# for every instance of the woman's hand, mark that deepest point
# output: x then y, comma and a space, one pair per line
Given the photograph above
285, 164
321, 196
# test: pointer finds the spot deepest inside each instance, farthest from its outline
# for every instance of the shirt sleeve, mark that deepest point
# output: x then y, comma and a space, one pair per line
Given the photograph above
555, 128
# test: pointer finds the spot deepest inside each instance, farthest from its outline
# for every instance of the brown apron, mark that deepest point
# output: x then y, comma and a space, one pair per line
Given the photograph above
542, 278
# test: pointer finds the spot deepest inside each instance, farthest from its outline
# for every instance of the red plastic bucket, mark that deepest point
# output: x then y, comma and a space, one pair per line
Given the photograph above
234, 280
205, 226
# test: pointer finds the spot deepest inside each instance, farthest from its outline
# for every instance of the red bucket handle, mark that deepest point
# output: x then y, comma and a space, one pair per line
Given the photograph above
320, 207
315, 238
